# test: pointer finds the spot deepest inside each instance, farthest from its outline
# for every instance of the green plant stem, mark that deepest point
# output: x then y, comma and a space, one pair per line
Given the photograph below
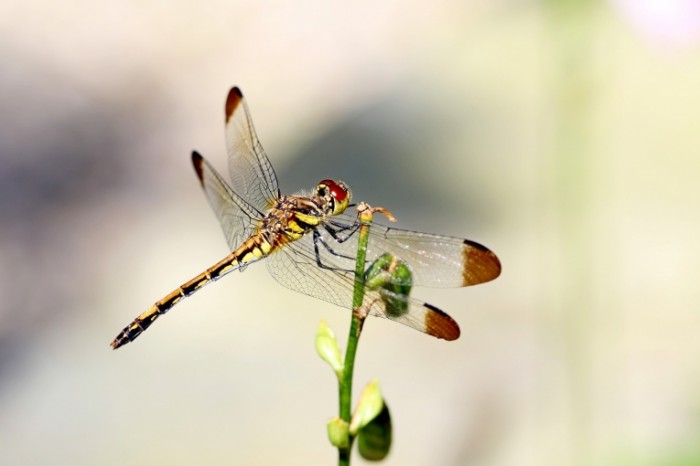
358, 318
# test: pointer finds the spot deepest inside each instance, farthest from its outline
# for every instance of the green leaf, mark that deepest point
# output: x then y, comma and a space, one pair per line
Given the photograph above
374, 440
338, 433
327, 347
369, 406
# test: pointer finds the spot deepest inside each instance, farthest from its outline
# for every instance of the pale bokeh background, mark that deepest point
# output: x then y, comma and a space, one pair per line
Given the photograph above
564, 135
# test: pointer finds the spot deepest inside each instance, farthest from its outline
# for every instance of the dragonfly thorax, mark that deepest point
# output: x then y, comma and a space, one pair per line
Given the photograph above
332, 196
291, 217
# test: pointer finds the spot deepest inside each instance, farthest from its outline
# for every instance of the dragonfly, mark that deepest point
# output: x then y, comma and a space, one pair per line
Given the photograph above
309, 240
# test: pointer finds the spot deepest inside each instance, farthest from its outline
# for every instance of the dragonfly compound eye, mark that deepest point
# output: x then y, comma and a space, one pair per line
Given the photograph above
338, 193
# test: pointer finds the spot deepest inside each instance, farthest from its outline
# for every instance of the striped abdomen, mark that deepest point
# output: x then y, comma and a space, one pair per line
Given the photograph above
254, 248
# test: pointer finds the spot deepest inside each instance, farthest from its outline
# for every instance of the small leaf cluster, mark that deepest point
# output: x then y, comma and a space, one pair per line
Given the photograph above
370, 422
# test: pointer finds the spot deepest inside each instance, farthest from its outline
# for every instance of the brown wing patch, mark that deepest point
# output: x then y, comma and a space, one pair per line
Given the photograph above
439, 324
198, 163
235, 96
480, 264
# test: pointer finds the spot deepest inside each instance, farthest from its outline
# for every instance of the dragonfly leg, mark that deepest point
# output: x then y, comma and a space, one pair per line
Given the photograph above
347, 230
319, 239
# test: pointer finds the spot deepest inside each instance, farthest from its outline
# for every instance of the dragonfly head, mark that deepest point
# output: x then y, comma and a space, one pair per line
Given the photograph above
334, 196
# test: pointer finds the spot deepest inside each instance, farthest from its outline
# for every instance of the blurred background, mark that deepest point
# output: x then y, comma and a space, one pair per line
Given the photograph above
562, 134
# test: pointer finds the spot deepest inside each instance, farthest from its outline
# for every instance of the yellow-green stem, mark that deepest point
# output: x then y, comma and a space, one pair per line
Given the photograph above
358, 318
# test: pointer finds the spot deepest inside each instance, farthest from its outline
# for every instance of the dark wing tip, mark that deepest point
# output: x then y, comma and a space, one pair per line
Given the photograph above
480, 264
440, 325
198, 164
234, 99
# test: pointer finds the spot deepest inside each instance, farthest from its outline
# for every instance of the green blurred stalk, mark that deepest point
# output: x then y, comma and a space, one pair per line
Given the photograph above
572, 192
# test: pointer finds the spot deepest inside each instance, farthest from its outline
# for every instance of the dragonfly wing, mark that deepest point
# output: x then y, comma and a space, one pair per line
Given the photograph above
251, 172
436, 260
423, 317
296, 267
237, 217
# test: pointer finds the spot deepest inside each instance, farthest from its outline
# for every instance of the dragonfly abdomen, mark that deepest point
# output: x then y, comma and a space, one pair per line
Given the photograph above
254, 248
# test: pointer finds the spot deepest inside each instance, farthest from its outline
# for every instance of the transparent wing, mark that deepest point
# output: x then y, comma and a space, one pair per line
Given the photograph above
436, 260
237, 217
296, 267
251, 172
